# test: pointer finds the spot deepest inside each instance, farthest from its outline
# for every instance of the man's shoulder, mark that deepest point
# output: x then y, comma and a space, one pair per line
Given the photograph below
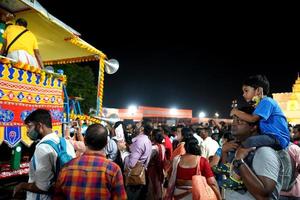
209, 141
10, 27
14, 28
142, 139
265, 151
107, 165
93, 160
95, 163
51, 136
30, 33
268, 155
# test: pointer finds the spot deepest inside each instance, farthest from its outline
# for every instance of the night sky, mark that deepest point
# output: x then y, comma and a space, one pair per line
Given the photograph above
175, 57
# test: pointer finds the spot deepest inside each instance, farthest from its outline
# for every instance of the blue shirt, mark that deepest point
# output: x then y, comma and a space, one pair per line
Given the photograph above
272, 120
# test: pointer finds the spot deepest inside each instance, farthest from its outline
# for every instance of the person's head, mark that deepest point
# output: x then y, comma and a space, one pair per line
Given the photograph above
178, 132
137, 129
186, 134
204, 132
166, 130
296, 131
253, 86
129, 128
157, 136
215, 136
21, 22
128, 137
39, 124
291, 130
96, 137
226, 137
222, 123
191, 146
148, 129
212, 123
173, 131
242, 129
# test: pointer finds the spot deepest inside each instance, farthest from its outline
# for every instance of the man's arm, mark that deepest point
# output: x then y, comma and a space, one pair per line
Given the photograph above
244, 116
260, 187
38, 58
31, 187
3, 46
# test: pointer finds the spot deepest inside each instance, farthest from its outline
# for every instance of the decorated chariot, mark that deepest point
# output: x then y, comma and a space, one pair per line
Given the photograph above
24, 88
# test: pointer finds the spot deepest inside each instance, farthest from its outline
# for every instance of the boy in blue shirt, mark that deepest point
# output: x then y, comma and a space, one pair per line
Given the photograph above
273, 125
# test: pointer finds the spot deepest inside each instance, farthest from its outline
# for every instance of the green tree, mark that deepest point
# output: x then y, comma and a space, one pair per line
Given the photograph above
80, 83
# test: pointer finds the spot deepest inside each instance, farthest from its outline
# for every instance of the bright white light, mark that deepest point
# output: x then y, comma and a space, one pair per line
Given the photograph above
217, 115
132, 109
202, 114
173, 111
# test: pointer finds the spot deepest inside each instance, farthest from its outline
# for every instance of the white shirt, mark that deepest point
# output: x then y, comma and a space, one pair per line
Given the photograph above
111, 149
200, 140
45, 165
209, 147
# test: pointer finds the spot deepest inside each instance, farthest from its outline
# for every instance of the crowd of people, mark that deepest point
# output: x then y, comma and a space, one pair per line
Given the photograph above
255, 157
103, 153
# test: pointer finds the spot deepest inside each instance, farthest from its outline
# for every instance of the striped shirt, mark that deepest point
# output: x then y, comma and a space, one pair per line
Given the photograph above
90, 176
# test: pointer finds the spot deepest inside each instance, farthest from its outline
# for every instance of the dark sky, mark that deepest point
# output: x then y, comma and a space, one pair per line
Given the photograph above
175, 57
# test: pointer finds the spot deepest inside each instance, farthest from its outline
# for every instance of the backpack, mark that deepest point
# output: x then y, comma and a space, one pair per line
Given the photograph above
288, 174
62, 156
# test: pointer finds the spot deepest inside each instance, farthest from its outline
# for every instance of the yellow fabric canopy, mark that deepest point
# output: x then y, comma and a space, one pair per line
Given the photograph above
58, 43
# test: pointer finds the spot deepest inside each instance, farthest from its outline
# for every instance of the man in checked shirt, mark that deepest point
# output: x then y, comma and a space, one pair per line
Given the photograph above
91, 176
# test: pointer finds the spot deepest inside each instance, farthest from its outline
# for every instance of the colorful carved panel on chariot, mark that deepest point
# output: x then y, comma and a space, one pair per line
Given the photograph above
23, 91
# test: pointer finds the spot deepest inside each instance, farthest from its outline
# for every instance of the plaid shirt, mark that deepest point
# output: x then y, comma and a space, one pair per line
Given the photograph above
90, 176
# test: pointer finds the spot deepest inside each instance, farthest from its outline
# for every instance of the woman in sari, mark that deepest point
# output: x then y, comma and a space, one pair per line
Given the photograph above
155, 167
182, 134
183, 169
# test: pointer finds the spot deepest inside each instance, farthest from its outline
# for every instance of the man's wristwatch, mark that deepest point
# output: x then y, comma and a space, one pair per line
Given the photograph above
238, 163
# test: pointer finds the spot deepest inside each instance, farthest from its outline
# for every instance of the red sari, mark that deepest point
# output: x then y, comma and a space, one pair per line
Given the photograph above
155, 172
